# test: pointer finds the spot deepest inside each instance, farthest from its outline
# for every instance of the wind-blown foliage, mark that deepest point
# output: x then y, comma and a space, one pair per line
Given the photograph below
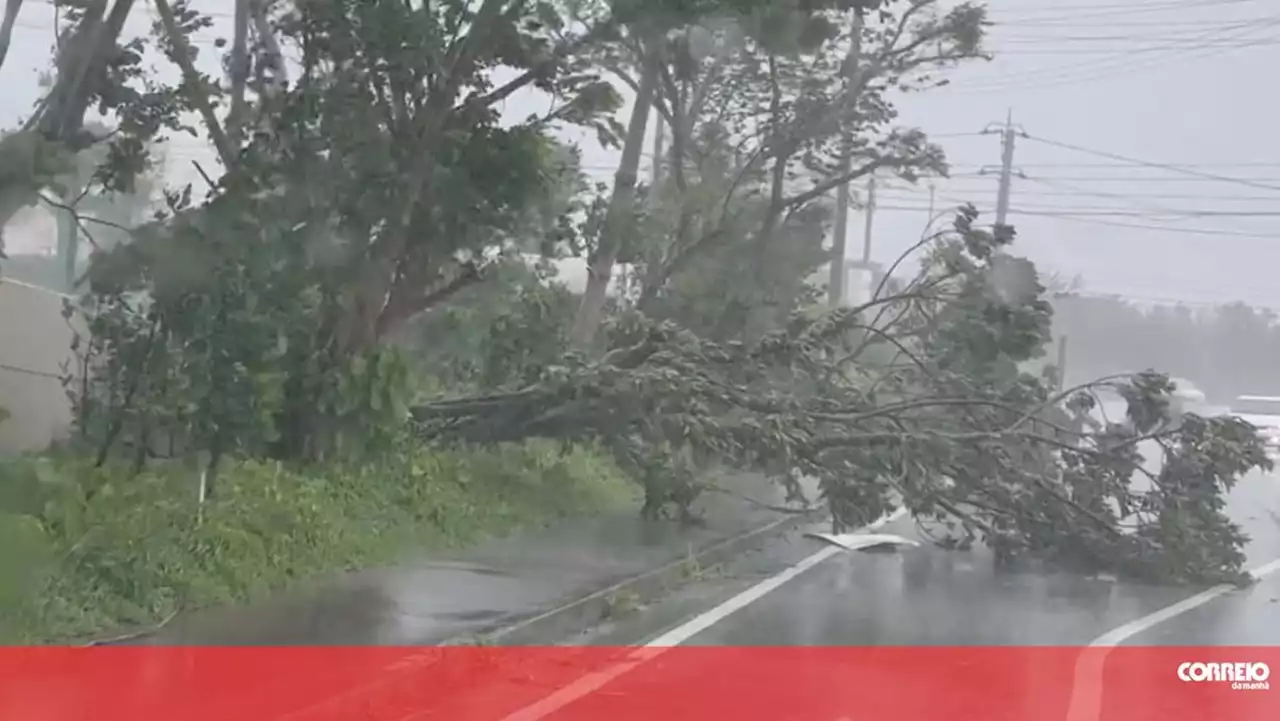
950, 428
371, 225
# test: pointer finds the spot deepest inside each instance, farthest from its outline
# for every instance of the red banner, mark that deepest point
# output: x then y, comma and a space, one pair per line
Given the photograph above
624, 684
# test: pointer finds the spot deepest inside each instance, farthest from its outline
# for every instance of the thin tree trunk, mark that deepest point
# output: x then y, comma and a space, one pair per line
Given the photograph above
262, 26
60, 117
600, 272
239, 70
197, 92
99, 31
778, 175
11, 9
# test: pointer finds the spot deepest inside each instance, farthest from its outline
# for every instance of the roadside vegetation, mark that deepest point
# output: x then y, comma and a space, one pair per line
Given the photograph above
348, 341
108, 550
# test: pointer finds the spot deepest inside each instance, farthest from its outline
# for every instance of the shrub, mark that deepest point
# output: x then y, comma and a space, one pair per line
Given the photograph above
102, 548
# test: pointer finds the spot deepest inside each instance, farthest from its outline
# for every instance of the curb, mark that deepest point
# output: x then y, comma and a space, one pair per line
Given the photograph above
557, 624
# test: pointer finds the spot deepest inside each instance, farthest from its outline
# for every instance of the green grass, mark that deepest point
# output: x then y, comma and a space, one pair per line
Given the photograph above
139, 547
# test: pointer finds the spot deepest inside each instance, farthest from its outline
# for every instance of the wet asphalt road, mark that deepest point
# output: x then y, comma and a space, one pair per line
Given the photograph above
928, 596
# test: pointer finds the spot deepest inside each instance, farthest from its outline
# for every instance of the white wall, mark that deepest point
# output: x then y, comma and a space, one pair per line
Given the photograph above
34, 342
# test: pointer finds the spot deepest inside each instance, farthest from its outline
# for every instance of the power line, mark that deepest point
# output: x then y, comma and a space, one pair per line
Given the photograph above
1166, 229
1153, 214
1158, 300
1056, 215
1145, 283
1124, 179
1125, 38
1126, 7
1253, 164
1160, 166
1171, 214
1129, 197
1153, 210
1115, 65
1113, 9
1112, 53
1110, 24
1211, 44
1087, 218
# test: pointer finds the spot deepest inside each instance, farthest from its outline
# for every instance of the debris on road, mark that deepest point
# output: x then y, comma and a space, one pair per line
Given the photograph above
863, 541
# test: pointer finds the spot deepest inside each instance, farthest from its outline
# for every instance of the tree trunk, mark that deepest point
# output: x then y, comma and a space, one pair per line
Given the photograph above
11, 10
621, 203
239, 71
60, 118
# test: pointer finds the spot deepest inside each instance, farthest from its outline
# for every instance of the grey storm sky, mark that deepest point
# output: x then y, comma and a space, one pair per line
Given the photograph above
1185, 83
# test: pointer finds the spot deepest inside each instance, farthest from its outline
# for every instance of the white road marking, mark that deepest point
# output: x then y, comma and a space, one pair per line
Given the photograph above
1086, 694
595, 681
1086, 688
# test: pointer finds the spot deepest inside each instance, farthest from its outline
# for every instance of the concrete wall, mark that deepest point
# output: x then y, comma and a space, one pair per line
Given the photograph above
34, 342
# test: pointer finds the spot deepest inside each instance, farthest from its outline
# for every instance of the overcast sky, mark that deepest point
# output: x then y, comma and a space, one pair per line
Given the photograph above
1186, 87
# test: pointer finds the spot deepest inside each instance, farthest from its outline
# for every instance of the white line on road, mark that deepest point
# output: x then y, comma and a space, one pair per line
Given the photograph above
595, 681
1086, 689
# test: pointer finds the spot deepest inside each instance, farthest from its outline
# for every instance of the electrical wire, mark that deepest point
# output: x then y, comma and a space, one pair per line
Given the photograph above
1073, 217
1163, 300
1061, 191
1117, 179
1192, 172
1210, 44
1141, 205
1251, 164
1033, 15
1127, 295
1111, 54
1138, 202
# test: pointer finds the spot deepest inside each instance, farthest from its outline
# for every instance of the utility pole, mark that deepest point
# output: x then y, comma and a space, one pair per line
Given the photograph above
1062, 362
1008, 134
626, 271
871, 211
658, 149
839, 241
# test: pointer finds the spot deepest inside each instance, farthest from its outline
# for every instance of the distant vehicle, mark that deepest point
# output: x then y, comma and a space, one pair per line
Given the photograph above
1264, 413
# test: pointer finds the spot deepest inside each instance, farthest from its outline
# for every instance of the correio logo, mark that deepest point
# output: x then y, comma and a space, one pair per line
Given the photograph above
1241, 676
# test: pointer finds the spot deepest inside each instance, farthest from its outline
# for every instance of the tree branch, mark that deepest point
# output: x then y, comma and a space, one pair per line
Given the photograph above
400, 309
196, 89
562, 51
829, 184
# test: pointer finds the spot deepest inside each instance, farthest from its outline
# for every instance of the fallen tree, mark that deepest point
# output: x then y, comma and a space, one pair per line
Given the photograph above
915, 398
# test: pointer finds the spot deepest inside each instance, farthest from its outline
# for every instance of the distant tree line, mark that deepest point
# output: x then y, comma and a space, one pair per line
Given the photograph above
1228, 350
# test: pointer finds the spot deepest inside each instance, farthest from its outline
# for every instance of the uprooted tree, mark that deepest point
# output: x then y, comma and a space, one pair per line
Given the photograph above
949, 427
379, 184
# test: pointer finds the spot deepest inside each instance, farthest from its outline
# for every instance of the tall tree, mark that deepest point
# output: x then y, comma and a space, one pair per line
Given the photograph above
375, 185
776, 83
